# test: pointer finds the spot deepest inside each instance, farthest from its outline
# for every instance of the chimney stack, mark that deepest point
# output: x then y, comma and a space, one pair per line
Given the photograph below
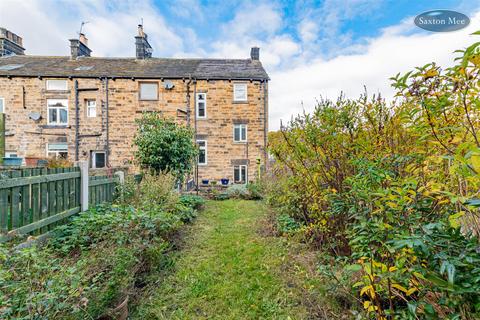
143, 49
79, 47
10, 43
255, 53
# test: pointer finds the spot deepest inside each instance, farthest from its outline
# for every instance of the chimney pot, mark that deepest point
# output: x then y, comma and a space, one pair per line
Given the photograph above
140, 31
255, 53
83, 39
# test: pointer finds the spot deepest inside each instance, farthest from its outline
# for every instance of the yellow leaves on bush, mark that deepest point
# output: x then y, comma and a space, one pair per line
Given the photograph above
475, 161
475, 59
454, 219
369, 306
368, 290
430, 73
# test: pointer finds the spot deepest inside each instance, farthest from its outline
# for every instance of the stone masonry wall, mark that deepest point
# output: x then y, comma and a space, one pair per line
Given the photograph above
27, 137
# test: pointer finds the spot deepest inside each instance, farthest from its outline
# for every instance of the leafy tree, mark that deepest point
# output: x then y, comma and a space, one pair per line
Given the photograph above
163, 145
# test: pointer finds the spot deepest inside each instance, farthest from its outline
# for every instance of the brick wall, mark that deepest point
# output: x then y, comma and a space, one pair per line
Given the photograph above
30, 138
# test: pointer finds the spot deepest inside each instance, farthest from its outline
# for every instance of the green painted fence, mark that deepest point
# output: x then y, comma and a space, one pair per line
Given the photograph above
33, 201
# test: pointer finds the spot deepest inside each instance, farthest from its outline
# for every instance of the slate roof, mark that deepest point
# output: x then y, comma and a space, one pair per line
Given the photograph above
51, 66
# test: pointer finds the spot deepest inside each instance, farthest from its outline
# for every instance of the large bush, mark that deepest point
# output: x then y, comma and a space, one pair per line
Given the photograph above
164, 146
394, 189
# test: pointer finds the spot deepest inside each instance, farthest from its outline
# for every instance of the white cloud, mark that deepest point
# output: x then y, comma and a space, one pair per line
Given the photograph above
397, 49
46, 26
253, 19
308, 30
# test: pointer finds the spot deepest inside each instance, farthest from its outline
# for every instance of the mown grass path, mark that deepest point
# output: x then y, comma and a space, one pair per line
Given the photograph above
228, 270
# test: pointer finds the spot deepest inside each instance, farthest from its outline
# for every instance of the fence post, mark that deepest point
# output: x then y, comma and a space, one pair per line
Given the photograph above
83, 165
121, 178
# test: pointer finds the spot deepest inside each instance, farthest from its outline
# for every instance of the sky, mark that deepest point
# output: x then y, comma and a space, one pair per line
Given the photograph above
310, 49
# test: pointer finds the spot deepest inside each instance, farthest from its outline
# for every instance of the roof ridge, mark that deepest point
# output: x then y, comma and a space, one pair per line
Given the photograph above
124, 58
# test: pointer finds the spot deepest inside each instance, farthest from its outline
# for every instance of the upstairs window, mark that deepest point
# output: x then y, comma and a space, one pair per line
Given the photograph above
57, 112
239, 92
91, 108
2, 105
98, 159
240, 174
202, 152
57, 150
148, 91
201, 105
240, 133
57, 85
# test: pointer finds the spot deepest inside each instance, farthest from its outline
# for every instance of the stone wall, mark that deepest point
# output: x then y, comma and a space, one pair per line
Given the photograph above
28, 137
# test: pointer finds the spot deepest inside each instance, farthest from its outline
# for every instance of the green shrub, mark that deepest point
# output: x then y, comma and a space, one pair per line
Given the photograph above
238, 191
164, 146
192, 201
221, 196
249, 191
286, 224
90, 264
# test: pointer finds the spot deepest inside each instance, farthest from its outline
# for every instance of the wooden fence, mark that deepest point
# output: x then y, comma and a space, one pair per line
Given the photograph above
33, 201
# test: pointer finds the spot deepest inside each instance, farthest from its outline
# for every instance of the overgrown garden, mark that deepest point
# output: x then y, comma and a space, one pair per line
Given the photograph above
98, 263
389, 192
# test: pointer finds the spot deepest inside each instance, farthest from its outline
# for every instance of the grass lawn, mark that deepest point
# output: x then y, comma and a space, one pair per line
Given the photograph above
229, 270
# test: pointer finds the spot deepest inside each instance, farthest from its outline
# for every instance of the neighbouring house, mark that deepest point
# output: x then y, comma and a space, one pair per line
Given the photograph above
81, 107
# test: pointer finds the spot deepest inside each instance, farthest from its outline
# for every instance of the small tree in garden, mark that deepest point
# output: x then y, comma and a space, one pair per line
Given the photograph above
163, 145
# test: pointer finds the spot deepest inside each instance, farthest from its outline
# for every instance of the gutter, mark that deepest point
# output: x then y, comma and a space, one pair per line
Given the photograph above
188, 101
265, 128
133, 77
107, 146
77, 123
195, 128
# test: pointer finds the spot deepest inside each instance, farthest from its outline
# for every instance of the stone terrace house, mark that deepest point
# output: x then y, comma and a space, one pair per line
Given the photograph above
84, 108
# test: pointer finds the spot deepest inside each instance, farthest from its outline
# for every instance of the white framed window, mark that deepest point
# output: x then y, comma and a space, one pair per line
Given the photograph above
201, 105
148, 91
98, 159
240, 133
57, 112
2, 105
91, 108
11, 154
240, 92
240, 174
57, 150
57, 85
202, 152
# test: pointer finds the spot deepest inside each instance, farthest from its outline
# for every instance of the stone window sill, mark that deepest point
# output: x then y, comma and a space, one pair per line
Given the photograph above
50, 126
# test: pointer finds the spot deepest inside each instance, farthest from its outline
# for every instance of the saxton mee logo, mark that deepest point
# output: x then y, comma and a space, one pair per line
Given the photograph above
442, 20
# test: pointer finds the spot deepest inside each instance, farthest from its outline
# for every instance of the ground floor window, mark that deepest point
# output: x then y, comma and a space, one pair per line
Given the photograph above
11, 154
202, 152
240, 174
98, 159
57, 150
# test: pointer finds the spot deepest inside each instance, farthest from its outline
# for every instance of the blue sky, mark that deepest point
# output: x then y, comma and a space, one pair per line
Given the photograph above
311, 49
353, 19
